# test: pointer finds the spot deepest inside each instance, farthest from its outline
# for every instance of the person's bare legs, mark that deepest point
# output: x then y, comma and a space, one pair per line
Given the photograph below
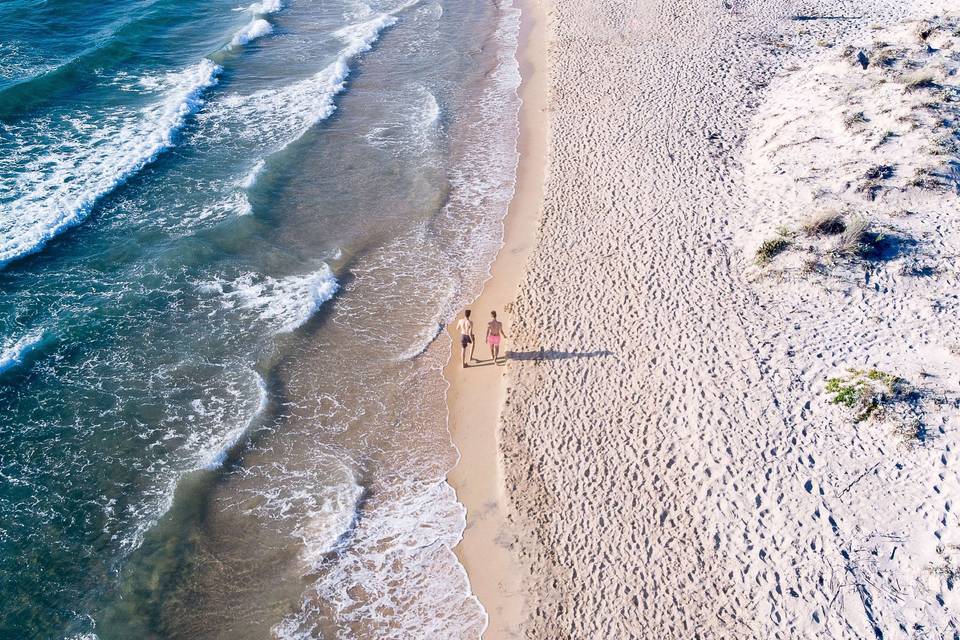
463, 353
473, 345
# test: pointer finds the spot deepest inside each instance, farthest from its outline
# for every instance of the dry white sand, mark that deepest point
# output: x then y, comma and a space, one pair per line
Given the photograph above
673, 462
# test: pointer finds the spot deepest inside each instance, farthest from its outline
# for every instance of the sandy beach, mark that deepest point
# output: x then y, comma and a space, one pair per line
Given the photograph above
730, 407
475, 396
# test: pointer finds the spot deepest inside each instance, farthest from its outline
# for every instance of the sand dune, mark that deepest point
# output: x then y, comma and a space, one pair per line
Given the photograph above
675, 466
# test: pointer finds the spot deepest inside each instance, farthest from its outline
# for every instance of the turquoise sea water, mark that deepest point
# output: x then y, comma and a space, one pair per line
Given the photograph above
228, 237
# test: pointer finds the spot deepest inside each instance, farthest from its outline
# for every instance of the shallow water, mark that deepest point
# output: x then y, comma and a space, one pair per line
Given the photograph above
229, 237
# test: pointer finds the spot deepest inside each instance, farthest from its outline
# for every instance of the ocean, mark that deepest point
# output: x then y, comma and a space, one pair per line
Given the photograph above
230, 236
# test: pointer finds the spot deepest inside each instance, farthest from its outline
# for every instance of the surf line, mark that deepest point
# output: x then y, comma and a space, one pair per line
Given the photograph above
59, 201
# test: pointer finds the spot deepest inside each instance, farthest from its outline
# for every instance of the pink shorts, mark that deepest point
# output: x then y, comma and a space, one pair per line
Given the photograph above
493, 341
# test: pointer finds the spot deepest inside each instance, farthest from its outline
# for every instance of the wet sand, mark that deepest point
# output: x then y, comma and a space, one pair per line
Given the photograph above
475, 396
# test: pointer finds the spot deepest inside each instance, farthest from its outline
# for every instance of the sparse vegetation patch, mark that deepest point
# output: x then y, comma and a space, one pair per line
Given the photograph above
855, 119
824, 223
920, 81
855, 238
865, 391
770, 249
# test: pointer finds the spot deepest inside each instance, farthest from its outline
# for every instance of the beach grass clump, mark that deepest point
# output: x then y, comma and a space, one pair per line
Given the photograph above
924, 178
810, 266
888, 380
855, 239
854, 119
912, 431
878, 172
846, 392
946, 145
885, 57
770, 249
873, 178
886, 137
865, 391
785, 232
924, 30
920, 81
824, 223
948, 572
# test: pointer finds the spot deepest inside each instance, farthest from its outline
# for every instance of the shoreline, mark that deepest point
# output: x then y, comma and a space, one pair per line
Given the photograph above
475, 395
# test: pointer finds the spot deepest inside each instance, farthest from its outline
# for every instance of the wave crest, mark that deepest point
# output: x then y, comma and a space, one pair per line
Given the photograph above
14, 353
60, 189
285, 303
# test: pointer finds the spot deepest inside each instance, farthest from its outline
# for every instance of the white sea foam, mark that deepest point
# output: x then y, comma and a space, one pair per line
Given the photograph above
287, 113
58, 190
431, 109
13, 353
424, 340
257, 28
396, 544
319, 501
216, 456
251, 178
285, 303
243, 207
328, 521
218, 421
413, 124
263, 8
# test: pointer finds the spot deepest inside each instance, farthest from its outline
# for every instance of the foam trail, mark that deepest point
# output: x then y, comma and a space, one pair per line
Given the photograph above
63, 196
257, 28
215, 459
328, 521
251, 178
15, 353
424, 340
286, 303
264, 8
291, 111
431, 109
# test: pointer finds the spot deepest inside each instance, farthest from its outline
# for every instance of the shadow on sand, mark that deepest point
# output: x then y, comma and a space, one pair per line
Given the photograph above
803, 18
537, 357
545, 354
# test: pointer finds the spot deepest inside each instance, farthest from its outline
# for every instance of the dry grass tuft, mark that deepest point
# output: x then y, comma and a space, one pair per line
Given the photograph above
924, 178
885, 58
855, 119
947, 144
824, 223
924, 30
873, 180
878, 172
855, 238
810, 266
920, 81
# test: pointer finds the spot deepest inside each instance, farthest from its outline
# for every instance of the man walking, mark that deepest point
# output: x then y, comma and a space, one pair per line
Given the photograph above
465, 327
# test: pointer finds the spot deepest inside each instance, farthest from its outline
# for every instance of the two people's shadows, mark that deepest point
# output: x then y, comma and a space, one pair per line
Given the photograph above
540, 355
551, 354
